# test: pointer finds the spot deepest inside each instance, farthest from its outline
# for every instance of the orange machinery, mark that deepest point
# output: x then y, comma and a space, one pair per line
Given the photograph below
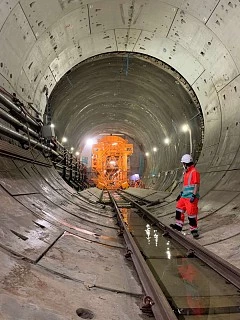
110, 162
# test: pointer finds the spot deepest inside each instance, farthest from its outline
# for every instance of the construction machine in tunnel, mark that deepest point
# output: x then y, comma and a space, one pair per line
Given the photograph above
140, 68
110, 162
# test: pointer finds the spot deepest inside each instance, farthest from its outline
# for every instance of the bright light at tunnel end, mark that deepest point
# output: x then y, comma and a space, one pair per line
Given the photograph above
185, 128
167, 141
89, 142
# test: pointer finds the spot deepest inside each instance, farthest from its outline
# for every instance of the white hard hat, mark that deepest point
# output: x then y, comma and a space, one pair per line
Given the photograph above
187, 158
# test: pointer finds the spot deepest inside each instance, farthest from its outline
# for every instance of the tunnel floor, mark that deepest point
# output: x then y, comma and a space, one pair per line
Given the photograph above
193, 289
218, 224
59, 252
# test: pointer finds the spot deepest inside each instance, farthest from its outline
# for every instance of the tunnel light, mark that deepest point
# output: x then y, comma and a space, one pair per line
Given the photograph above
147, 154
185, 128
90, 142
154, 149
77, 153
114, 144
112, 162
52, 125
167, 141
72, 149
64, 139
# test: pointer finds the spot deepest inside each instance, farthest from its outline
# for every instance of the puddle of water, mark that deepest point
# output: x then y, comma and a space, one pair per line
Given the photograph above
193, 289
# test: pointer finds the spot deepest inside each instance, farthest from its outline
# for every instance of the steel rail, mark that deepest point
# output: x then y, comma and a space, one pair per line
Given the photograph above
161, 308
224, 268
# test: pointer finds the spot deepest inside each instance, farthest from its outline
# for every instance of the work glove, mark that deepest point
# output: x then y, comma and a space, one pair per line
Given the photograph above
192, 198
179, 196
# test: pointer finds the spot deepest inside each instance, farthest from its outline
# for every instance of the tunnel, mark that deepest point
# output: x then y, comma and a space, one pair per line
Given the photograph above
140, 68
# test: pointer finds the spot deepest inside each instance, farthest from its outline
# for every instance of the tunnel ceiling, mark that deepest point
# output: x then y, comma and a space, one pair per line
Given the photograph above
42, 40
124, 93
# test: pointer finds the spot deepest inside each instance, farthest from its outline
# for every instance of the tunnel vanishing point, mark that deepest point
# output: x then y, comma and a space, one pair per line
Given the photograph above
141, 68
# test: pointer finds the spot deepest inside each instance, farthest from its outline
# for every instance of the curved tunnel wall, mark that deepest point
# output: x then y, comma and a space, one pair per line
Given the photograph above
193, 40
38, 47
134, 95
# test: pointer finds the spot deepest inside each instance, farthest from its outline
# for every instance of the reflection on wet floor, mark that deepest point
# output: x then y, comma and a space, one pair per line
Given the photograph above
193, 289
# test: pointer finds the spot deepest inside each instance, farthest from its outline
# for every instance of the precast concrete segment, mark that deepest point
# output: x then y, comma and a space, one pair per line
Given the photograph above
22, 233
12, 180
52, 195
31, 291
15, 152
23, 240
31, 234
77, 258
63, 189
148, 194
17, 184
93, 194
148, 103
180, 23
197, 39
44, 208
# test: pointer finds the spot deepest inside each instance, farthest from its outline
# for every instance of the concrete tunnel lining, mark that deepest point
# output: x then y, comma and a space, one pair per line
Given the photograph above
204, 62
199, 42
130, 94
195, 42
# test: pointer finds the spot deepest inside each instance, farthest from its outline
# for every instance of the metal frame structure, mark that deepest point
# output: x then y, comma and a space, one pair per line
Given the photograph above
110, 162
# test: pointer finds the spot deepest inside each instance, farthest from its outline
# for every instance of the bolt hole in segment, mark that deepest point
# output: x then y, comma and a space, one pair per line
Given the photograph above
193, 289
85, 313
110, 163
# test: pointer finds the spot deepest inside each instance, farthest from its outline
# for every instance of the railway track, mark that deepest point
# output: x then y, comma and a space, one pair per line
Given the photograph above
181, 279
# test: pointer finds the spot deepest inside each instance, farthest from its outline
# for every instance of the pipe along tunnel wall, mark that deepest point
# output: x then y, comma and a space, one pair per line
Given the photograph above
199, 41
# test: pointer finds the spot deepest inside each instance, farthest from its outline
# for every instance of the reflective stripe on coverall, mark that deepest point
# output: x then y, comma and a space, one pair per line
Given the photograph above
184, 204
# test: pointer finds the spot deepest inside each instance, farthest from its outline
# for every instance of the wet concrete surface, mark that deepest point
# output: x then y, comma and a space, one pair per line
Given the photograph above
218, 221
21, 232
74, 258
77, 258
190, 285
72, 248
31, 292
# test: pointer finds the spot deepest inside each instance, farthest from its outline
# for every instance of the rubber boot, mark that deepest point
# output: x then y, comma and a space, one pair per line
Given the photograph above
176, 227
195, 233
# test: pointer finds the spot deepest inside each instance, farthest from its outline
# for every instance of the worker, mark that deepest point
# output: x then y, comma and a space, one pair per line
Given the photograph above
187, 200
